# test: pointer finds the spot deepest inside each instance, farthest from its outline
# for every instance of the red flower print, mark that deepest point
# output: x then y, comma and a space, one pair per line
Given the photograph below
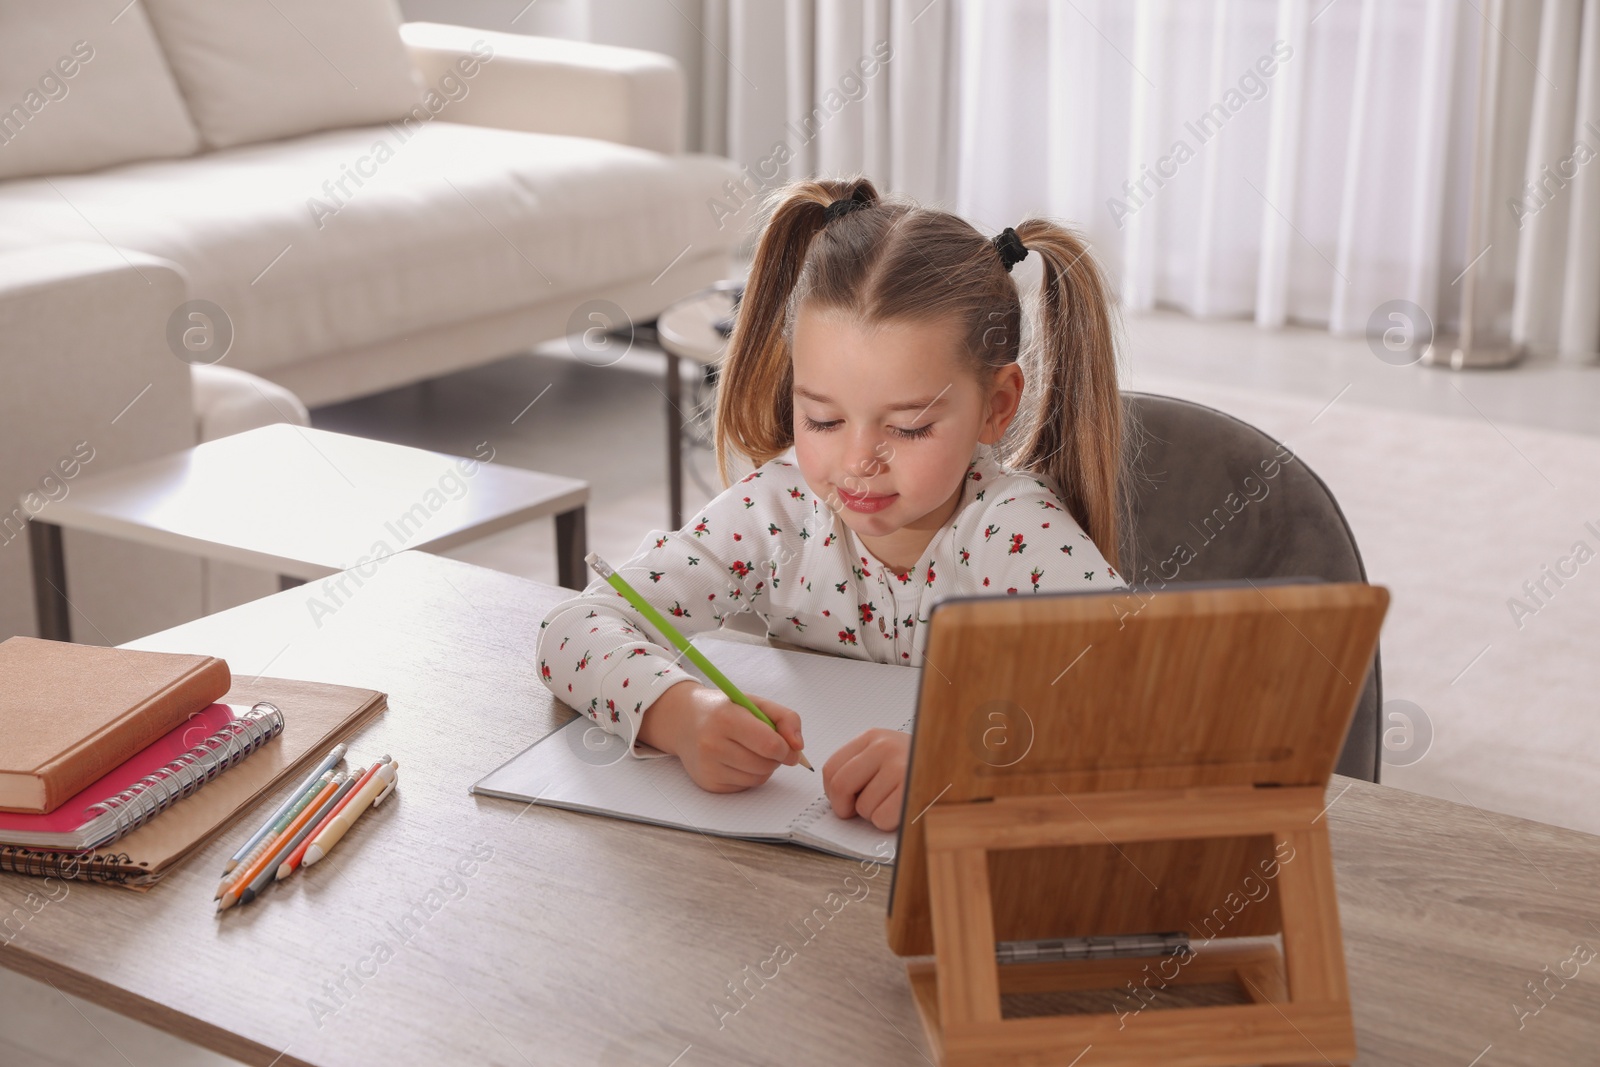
741, 567
544, 670
679, 610
700, 528
1067, 549
989, 531
625, 683
1044, 526
774, 529
660, 541
1016, 545
825, 611
749, 503
965, 556
866, 612
738, 537
1034, 576
847, 636
986, 581
931, 575
584, 662
1013, 589
612, 708
795, 493
656, 576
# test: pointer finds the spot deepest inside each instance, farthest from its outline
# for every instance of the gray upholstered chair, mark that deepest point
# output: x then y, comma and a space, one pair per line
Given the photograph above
1281, 523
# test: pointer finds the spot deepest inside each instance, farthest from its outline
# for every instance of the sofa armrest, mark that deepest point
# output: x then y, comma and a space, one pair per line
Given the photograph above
88, 383
547, 85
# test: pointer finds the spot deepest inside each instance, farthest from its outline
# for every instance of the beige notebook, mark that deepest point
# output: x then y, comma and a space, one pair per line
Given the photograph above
316, 716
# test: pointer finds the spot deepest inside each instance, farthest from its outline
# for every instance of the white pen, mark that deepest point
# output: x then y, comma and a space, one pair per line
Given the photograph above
380, 785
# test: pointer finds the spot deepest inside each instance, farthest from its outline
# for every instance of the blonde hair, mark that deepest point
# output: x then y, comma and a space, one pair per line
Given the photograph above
892, 260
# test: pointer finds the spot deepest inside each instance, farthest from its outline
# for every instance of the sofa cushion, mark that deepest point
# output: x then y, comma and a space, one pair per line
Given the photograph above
254, 70
83, 84
353, 237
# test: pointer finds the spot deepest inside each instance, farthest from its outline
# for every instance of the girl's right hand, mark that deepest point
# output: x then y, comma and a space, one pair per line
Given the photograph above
723, 747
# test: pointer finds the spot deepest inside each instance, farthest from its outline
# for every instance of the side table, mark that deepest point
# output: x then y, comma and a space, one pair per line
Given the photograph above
305, 503
687, 330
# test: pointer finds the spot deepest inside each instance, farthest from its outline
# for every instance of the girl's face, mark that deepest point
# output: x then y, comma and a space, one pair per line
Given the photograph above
885, 421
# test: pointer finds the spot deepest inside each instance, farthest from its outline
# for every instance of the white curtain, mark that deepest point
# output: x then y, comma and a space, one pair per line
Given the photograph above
1281, 159
1555, 305
1312, 161
830, 87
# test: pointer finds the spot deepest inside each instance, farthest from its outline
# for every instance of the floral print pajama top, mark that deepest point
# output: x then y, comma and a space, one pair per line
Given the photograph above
768, 545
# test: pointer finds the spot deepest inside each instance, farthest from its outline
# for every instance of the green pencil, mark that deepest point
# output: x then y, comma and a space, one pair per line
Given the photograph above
656, 619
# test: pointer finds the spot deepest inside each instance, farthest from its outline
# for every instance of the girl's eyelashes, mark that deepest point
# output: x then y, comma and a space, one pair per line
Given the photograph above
912, 433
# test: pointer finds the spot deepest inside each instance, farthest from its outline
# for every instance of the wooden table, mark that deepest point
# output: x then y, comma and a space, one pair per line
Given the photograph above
584, 940
305, 503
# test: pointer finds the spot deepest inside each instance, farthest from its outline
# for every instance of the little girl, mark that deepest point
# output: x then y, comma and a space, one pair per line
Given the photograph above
880, 340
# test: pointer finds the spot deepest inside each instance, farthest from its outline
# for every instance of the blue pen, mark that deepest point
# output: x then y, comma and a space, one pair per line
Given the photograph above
312, 779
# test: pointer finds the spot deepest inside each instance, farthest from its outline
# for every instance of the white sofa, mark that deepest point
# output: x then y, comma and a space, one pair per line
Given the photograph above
386, 205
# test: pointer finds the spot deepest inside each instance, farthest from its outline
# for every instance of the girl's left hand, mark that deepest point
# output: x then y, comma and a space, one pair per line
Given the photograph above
867, 777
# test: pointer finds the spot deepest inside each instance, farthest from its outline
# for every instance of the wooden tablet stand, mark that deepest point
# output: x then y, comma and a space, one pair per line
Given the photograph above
1114, 764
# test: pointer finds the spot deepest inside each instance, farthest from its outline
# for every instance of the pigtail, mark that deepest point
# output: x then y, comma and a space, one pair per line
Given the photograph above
755, 402
1075, 437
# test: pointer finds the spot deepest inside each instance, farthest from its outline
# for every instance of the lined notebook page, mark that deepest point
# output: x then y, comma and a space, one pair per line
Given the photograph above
582, 767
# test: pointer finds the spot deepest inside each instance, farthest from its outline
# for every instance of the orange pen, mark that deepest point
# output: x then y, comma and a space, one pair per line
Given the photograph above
292, 862
273, 854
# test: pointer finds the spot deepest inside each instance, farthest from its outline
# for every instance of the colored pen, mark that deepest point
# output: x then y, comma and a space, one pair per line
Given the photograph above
656, 619
322, 768
268, 874
373, 789
292, 862
232, 878
236, 892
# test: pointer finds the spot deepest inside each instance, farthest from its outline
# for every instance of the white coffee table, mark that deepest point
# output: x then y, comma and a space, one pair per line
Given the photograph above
304, 503
687, 330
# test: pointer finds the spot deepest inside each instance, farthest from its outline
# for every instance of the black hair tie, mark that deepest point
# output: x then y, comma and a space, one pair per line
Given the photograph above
1010, 247
842, 207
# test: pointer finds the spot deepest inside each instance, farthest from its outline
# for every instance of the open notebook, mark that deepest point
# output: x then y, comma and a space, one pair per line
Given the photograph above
584, 768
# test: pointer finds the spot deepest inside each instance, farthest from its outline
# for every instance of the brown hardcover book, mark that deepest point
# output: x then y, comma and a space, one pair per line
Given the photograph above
70, 713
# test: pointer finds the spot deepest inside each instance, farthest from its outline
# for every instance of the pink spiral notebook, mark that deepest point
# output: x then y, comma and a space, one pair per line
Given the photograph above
171, 767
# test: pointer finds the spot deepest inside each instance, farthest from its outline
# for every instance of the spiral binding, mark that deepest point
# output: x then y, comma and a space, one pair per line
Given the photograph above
813, 811
156, 791
87, 865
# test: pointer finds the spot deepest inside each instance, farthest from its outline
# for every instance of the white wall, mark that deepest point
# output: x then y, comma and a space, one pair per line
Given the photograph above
669, 26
